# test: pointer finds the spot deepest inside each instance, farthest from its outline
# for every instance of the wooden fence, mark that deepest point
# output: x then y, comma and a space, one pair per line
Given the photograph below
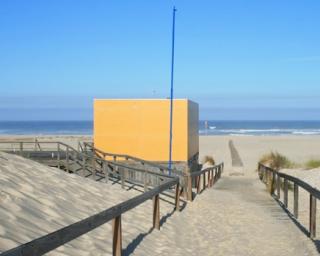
63, 154
62, 236
84, 164
275, 180
89, 147
209, 177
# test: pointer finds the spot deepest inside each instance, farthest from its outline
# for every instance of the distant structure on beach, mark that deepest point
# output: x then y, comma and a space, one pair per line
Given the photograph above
206, 126
140, 127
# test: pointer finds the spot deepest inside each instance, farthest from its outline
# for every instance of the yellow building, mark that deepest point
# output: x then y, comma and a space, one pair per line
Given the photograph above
140, 128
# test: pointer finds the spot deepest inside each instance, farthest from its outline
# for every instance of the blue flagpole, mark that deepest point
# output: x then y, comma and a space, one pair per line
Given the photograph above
171, 94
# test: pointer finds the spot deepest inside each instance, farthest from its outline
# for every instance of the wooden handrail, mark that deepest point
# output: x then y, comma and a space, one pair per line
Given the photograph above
64, 235
213, 173
55, 239
84, 155
127, 157
272, 176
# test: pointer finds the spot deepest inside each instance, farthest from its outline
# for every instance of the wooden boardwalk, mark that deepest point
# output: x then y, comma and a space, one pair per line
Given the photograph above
235, 217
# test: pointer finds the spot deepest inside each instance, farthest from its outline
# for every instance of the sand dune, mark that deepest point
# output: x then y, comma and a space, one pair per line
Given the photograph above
36, 200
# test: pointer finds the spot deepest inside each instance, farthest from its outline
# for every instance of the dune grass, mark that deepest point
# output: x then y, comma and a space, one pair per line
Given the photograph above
209, 160
312, 164
277, 161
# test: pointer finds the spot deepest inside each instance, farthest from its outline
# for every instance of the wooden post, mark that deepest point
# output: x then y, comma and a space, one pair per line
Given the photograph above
177, 199
122, 173
209, 179
93, 168
83, 165
312, 218
156, 212
189, 180
105, 170
212, 177
117, 236
145, 181
21, 148
198, 183
204, 181
58, 156
67, 159
295, 200
285, 193
278, 186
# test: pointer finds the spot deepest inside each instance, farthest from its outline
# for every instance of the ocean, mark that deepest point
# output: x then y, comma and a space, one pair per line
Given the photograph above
210, 127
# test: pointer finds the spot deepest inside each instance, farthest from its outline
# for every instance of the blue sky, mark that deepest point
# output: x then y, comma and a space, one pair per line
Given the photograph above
237, 59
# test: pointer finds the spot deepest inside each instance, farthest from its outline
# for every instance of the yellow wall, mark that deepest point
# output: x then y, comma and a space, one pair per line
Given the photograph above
141, 128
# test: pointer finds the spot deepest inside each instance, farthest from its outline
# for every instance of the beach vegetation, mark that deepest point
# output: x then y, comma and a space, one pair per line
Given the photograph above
208, 160
276, 161
312, 164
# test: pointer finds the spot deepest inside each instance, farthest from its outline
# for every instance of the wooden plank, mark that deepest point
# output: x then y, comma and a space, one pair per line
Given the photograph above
177, 198
312, 216
189, 181
105, 171
285, 193
145, 182
156, 212
67, 159
117, 236
58, 155
212, 177
21, 148
122, 175
295, 200
278, 186
93, 166
198, 184
83, 166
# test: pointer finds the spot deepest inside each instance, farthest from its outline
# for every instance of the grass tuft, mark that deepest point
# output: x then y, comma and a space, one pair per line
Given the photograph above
312, 164
276, 161
209, 160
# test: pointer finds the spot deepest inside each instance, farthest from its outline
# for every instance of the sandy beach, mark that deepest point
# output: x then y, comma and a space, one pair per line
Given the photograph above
299, 149
36, 199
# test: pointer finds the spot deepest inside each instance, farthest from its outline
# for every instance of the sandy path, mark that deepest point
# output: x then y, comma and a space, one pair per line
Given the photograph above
236, 217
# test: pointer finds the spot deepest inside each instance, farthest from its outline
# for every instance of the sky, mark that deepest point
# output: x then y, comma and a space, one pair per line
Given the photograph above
240, 60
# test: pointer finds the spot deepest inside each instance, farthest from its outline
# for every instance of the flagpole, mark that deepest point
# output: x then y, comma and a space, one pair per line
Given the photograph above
171, 92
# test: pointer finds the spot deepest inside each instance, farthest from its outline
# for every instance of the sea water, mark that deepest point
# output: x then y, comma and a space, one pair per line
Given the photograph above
206, 127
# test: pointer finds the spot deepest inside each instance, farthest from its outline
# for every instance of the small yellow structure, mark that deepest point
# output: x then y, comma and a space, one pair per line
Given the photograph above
140, 128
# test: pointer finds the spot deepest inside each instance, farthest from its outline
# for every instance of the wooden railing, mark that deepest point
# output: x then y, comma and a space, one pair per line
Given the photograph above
209, 176
120, 157
66, 155
62, 236
275, 180
63, 155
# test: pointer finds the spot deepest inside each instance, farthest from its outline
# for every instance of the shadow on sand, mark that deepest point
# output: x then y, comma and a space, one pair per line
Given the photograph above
298, 223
